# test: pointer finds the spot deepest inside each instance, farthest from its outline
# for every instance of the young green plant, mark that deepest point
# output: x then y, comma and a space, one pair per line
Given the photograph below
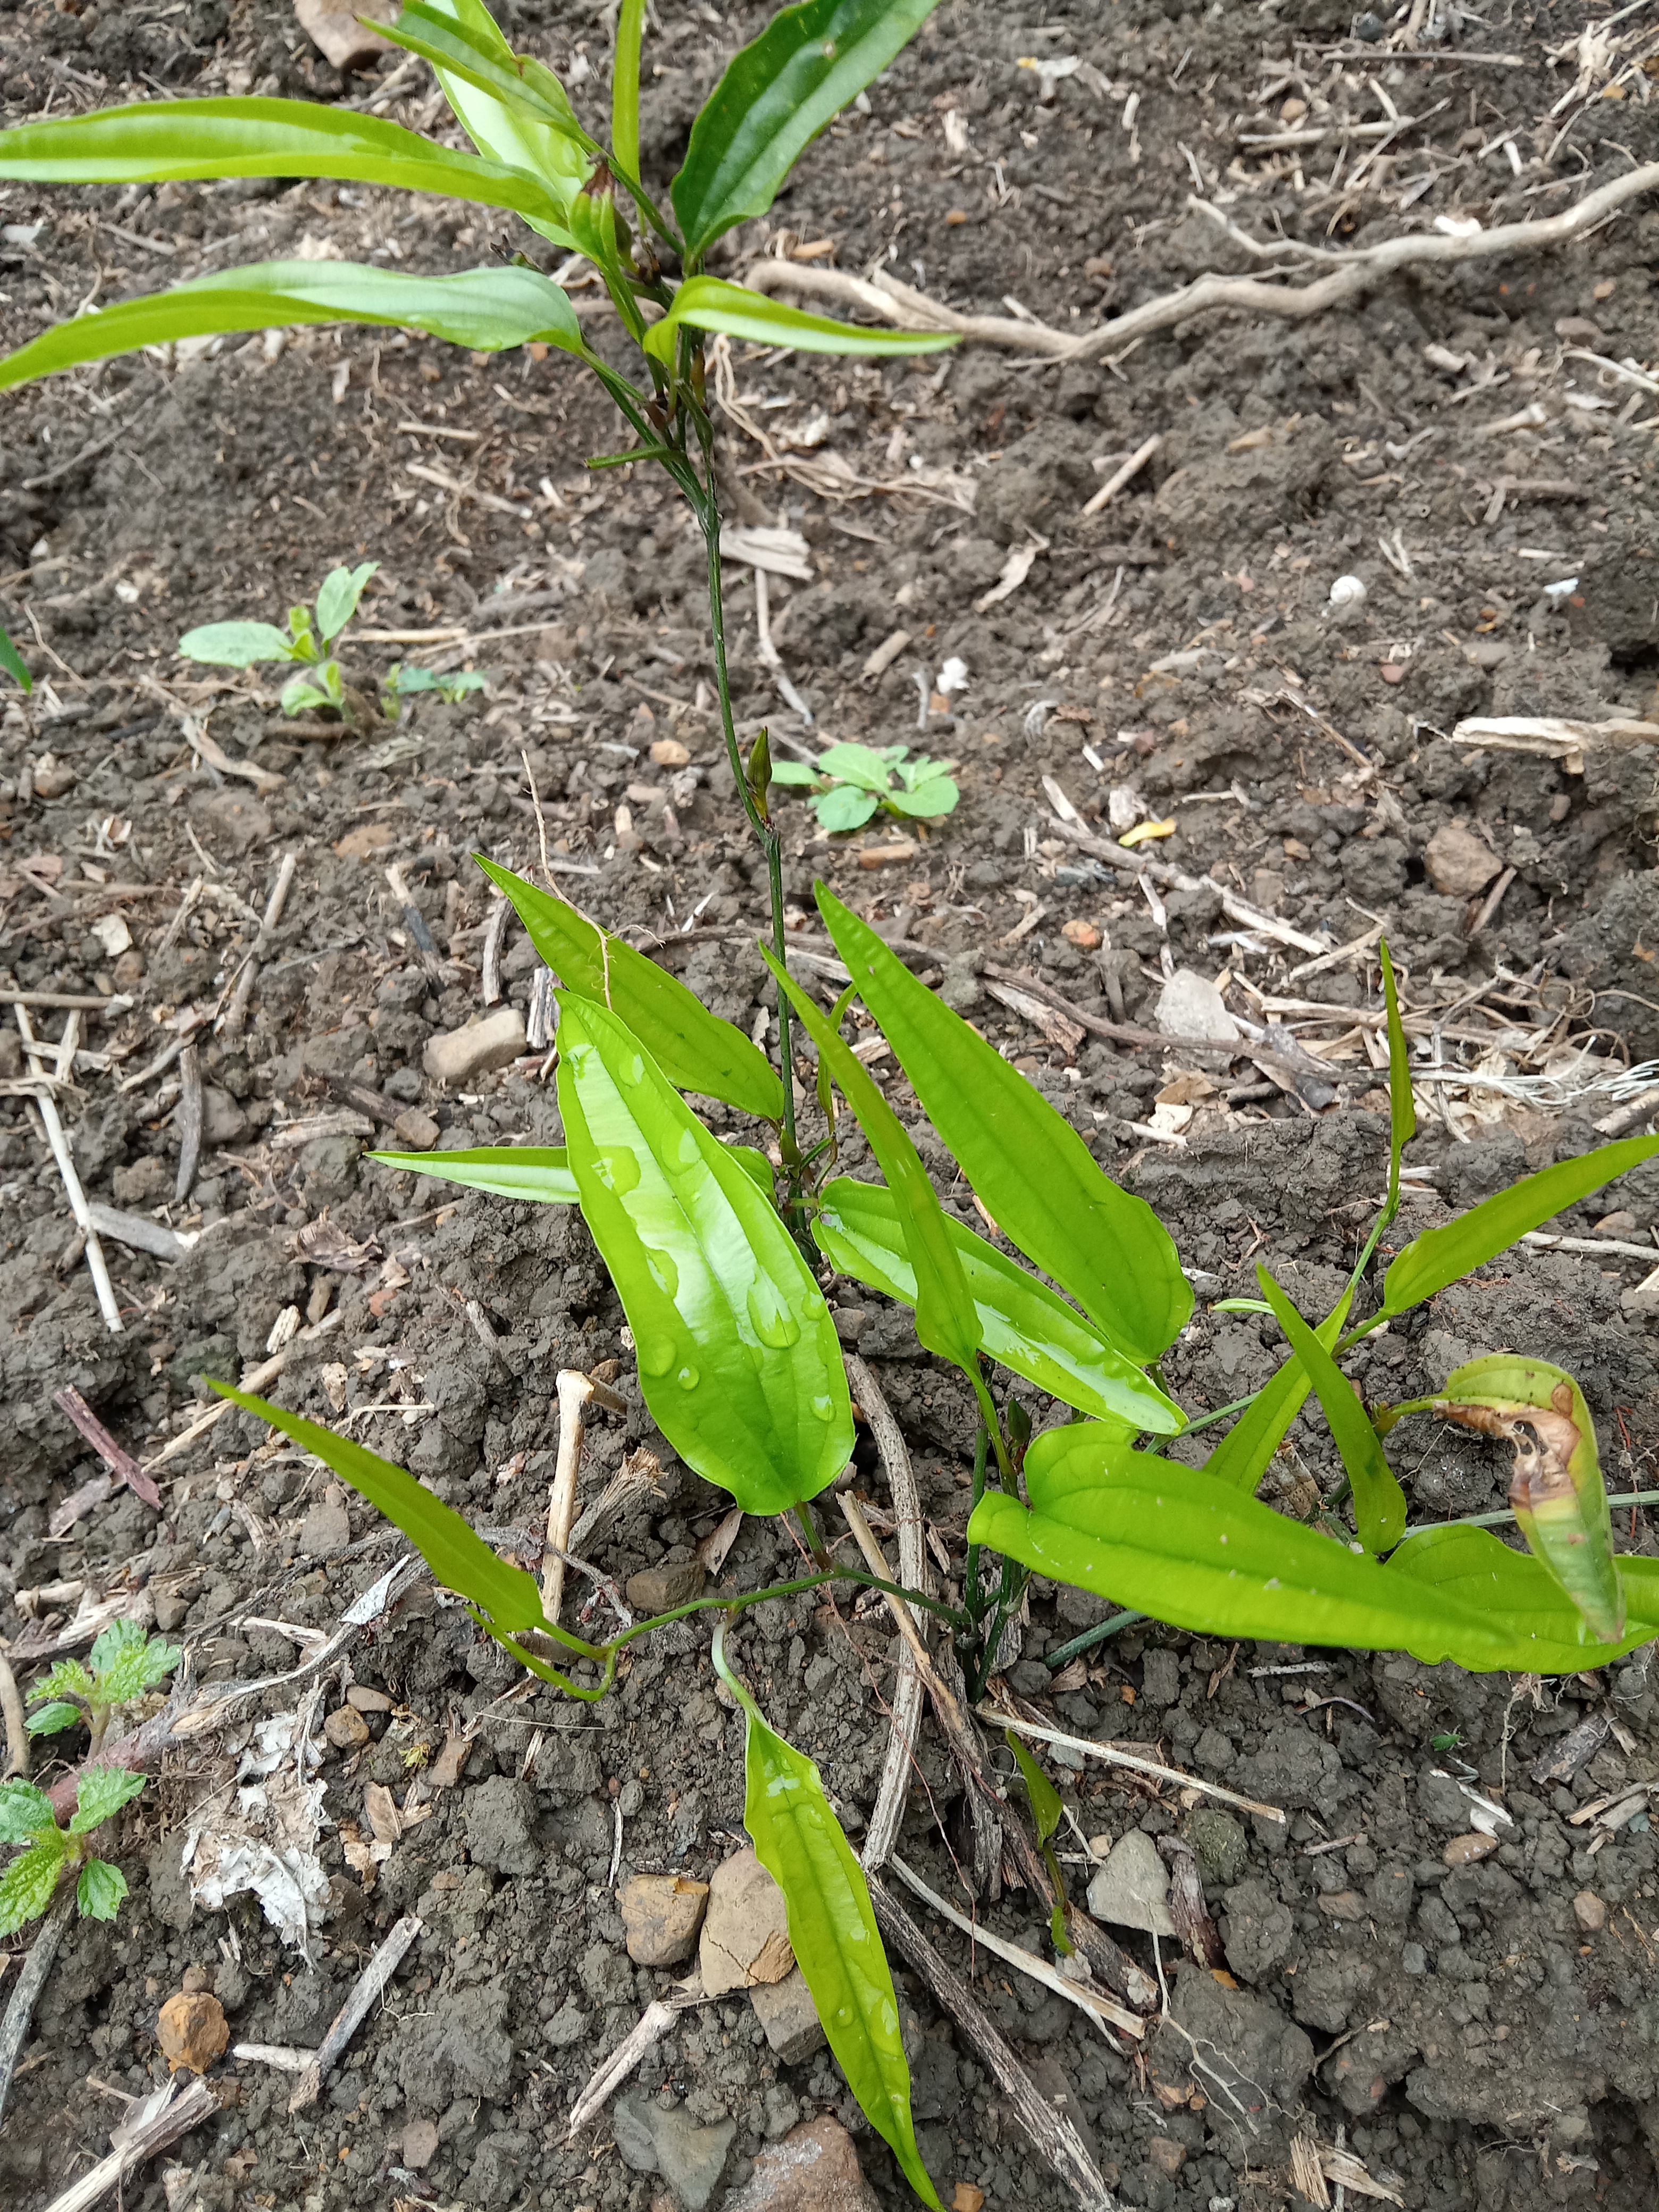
12, 664
124, 1664
310, 640
49, 1852
849, 782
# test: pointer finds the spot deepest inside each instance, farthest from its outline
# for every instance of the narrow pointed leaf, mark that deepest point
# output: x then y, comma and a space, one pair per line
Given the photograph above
1402, 1107
1557, 1491
486, 309
1044, 1798
156, 140
833, 1932
775, 97
1242, 1456
947, 1320
236, 644
1168, 1541
710, 303
458, 44
739, 1362
1033, 1174
458, 1557
625, 85
1379, 1503
695, 1049
1023, 1324
541, 1173
1442, 1256
13, 664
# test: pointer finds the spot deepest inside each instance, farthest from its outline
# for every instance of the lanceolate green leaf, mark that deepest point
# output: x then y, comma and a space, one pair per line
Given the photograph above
541, 1173
1403, 1108
458, 1556
832, 1929
1031, 1169
1442, 1256
453, 40
155, 140
947, 1320
695, 1049
1379, 1503
1022, 1323
1473, 1569
484, 308
12, 663
775, 97
339, 596
236, 644
625, 85
1169, 1541
504, 133
740, 1361
709, 303
1242, 1457
1046, 1807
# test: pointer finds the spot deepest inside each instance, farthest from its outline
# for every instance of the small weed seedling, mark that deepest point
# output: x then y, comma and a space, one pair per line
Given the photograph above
850, 782
310, 640
13, 665
400, 682
125, 1665
49, 1852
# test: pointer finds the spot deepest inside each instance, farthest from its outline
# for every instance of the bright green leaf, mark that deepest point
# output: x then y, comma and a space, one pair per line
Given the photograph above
1402, 1107
625, 85
53, 1719
13, 664
792, 771
947, 1320
24, 1811
101, 1890
858, 765
833, 1933
486, 309
1046, 1807
1242, 1457
150, 141
1023, 1324
126, 1662
458, 1556
67, 1679
527, 142
710, 303
1379, 1503
775, 97
1475, 1571
695, 1050
103, 1791
337, 601
845, 807
236, 644
1442, 1256
738, 1358
1030, 1167
1168, 1541
26, 1886
537, 1172
939, 795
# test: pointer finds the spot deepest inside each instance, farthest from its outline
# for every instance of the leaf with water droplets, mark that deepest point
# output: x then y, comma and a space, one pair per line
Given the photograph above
739, 1362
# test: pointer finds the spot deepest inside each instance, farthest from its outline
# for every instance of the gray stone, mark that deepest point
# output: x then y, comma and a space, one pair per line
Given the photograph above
568, 2027
657, 1589
1132, 1888
333, 27
458, 1055
814, 2169
1161, 1677
691, 2159
222, 1120
1256, 1929
500, 1813
786, 2010
1219, 1844
1189, 1006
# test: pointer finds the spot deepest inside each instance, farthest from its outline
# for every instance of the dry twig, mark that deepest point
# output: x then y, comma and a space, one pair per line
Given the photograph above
353, 2013
886, 1820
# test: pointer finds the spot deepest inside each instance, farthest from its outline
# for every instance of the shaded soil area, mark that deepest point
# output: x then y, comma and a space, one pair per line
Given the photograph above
1479, 2028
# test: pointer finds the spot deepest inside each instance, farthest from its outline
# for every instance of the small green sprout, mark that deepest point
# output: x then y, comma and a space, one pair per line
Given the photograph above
309, 639
849, 782
400, 682
126, 1663
30, 1882
13, 663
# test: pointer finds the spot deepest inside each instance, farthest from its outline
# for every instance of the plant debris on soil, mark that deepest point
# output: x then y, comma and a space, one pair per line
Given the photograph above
1366, 644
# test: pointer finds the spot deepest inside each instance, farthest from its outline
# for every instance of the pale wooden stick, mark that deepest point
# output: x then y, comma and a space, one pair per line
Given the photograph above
238, 1006
151, 2134
654, 2023
353, 2013
1113, 1757
574, 1390
17, 1734
47, 1109
1131, 469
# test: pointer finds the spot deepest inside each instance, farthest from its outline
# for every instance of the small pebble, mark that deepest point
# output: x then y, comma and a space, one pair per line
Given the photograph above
1083, 935
1466, 1850
346, 1728
1589, 1911
192, 2031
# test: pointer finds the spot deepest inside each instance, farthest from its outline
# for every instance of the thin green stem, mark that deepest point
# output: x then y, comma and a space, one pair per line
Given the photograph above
1209, 1420
746, 1598
988, 1414
1499, 1520
1089, 1638
972, 1596
810, 1526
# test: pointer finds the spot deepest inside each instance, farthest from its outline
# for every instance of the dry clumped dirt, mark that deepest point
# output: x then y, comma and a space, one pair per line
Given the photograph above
1478, 2034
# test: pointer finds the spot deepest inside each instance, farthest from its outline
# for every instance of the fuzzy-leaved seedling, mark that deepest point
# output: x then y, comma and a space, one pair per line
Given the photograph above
49, 1852
124, 1664
849, 783
310, 641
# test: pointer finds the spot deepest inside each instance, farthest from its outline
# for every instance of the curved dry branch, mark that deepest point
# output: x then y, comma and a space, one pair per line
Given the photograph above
1353, 273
